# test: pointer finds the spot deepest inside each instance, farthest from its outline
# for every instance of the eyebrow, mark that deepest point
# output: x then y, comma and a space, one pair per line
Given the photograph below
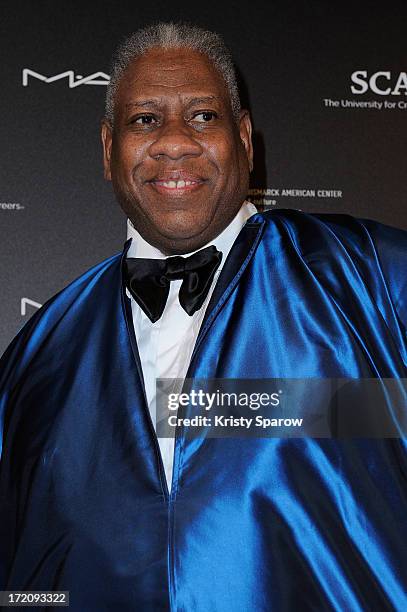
156, 102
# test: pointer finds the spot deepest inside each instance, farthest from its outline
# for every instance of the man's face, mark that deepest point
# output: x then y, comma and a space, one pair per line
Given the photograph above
178, 160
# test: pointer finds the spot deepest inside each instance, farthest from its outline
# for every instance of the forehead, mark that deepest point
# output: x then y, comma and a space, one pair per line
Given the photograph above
168, 73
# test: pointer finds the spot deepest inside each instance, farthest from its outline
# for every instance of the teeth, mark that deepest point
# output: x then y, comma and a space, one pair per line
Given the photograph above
176, 184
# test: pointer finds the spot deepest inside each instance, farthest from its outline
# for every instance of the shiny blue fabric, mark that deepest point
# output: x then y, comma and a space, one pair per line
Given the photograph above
251, 524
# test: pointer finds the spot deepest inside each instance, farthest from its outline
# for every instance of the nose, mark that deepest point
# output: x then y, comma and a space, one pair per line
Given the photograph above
175, 141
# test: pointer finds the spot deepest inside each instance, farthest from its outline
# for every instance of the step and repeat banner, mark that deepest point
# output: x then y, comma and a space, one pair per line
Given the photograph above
326, 86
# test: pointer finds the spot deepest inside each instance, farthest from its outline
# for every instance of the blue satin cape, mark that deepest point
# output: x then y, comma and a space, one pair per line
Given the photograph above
269, 525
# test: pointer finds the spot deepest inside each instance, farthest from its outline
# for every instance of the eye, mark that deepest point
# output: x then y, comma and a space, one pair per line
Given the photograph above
143, 120
205, 116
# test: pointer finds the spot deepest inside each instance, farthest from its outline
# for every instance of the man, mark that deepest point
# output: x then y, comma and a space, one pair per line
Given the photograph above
93, 502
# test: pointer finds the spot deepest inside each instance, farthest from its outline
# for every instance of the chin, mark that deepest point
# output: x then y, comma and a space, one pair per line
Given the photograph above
177, 247
180, 243
182, 227
177, 240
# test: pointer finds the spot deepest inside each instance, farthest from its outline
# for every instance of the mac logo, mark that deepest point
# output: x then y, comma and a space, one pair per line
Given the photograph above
97, 78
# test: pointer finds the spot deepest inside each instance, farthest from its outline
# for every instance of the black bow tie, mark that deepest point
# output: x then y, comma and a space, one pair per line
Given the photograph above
148, 280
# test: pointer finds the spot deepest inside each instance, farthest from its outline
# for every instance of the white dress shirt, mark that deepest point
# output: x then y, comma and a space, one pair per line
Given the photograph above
165, 347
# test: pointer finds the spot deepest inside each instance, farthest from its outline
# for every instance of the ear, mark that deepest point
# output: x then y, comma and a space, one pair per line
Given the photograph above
245, 130
106, 135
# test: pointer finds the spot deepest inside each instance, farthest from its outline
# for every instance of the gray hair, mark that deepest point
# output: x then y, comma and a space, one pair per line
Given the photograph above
170, 36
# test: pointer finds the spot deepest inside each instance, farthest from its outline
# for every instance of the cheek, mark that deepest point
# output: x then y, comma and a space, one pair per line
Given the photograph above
127, 154
227, 159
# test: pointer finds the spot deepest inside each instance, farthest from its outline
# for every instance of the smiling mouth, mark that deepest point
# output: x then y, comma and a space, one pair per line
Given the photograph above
176, 186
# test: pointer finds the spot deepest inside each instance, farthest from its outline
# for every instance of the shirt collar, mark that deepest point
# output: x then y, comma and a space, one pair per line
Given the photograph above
223, 242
